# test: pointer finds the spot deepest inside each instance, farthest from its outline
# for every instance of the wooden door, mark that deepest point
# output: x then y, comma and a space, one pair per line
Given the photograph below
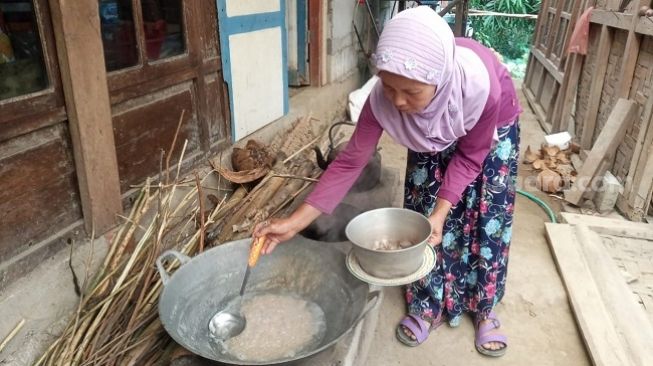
254, 59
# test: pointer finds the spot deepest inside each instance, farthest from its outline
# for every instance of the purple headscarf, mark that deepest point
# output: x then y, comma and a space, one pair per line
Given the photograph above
418, 44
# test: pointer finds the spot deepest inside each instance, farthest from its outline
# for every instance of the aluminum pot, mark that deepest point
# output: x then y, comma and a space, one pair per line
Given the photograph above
203, 285
394, 224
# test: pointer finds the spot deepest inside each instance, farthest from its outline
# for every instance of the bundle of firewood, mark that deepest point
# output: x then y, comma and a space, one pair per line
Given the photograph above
554, 166
116, 322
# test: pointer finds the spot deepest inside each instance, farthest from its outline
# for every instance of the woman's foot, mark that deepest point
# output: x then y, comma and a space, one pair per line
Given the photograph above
413, 330
489, 340
409, 333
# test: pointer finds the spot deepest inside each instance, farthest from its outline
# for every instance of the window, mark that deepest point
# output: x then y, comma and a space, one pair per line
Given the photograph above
118, 35
22, 70
162, 28
162, 22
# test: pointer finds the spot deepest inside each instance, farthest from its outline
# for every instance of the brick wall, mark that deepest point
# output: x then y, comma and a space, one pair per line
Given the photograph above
640, 90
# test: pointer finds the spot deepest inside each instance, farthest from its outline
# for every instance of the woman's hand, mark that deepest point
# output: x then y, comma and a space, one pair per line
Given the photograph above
277, 231
437, 225
437, 220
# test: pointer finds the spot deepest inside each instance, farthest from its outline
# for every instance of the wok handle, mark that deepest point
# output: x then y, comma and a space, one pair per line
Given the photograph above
372, 301
183, 259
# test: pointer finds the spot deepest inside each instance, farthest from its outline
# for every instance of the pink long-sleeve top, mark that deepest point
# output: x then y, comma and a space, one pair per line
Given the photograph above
501, 108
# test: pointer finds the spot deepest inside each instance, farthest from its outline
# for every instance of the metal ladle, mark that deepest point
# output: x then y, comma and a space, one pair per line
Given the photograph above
229, 322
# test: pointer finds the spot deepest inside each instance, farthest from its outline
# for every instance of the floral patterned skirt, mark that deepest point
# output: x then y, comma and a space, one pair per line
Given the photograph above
471, 266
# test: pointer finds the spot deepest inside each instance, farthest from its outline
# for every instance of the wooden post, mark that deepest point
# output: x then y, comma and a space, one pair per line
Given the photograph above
631, 52
81, 58
596, 87
315, 42
461, 17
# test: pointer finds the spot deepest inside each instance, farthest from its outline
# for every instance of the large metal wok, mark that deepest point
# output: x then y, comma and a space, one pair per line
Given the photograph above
203, 285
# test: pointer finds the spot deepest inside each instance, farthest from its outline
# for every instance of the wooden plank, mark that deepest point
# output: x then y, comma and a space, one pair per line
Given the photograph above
611, 19
81, 60
593, 318
573, 74
537, 109
644, 26
631, 322
622, 116
631, 53
25, 124
548, 65
596, 87
614, 227
622, 21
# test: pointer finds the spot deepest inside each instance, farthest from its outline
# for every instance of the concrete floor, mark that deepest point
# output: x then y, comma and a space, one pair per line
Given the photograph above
535, 312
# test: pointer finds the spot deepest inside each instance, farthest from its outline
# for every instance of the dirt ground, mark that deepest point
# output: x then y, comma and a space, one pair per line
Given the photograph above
535, 312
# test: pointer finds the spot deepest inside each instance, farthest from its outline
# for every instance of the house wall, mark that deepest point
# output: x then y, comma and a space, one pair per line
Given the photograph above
342, 49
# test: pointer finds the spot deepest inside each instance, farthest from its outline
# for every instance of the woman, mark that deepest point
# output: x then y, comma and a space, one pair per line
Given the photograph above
453, 105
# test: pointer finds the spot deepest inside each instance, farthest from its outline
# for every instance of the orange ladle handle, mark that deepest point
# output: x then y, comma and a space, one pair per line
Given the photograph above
255, 251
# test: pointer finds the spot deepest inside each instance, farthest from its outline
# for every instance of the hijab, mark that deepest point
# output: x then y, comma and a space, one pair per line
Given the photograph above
419, 45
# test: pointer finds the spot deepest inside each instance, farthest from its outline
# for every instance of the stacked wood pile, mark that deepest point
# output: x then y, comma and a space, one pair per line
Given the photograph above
116, 322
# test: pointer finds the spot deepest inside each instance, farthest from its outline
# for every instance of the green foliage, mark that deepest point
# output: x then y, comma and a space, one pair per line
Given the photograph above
511, 37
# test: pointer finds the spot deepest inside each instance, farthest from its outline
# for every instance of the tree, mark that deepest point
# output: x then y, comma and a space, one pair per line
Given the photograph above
511, 37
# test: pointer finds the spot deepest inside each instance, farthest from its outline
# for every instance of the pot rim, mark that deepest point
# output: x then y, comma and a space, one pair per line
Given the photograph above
403, 250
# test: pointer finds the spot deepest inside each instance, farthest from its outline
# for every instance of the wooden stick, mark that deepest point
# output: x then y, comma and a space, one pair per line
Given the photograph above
172, 146
313, 142
201, 204
296, 177
12, 334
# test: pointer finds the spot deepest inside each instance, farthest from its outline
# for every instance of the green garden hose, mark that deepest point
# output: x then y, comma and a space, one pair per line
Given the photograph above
541, 203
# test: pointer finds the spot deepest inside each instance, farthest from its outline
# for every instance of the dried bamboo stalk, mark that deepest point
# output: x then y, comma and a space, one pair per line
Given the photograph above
12, 334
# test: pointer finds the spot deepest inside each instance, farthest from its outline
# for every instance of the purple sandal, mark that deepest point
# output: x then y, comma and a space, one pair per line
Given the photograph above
482, 337
418, 326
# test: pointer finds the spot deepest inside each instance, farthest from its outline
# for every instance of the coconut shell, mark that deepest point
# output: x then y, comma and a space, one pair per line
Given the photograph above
562, 158
530, 156
254, 155
539, 164
549, 181
551, 151
565, 169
